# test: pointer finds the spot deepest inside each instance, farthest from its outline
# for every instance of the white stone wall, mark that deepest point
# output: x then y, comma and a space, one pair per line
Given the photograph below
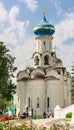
64, 91
61, 83
35, 89
53, 90
21, 92
69, 91
65, 94
61, 112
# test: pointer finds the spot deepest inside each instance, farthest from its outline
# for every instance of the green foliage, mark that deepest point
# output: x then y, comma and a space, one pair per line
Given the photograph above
4, 103
7, 69
69, 115
39, 117
9, 90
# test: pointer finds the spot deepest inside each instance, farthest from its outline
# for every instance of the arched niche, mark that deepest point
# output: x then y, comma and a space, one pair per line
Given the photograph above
46, 60
36, 60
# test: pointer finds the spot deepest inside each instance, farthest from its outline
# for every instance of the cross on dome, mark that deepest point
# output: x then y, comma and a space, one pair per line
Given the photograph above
44, 8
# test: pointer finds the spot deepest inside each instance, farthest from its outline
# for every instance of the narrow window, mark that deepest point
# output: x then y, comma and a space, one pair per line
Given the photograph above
28, 101
48, 102
38, 102
31, 103
44, 45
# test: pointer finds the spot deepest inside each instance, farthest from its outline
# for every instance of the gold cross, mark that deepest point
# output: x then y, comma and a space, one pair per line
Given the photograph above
44, 8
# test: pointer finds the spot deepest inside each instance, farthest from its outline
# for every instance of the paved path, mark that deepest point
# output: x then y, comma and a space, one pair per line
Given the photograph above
43, 122
38, 122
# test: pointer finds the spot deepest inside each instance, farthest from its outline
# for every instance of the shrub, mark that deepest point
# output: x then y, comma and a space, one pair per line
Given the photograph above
69, 115
39, 117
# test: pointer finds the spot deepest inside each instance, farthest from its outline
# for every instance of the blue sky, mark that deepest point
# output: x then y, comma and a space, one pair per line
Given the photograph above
17, 19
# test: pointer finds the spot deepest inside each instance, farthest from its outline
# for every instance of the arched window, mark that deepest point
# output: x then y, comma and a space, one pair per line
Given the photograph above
46, 60
36, 60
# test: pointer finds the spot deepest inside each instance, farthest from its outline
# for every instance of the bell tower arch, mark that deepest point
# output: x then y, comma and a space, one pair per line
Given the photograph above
43, 31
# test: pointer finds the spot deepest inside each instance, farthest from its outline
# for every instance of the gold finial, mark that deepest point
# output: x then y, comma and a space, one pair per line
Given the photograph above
44, 8
54, 48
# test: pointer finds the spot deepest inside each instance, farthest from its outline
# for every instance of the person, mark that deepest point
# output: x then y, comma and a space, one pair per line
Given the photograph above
23, 115
44, 115
35, 115
30, 113
50, 115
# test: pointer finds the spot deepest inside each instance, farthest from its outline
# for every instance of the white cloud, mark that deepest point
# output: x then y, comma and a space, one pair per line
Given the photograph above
3, 13
57, 6
65, 29
14, 12
64, 34
12, 30
32, 4
24, 53
66, 53
14, 34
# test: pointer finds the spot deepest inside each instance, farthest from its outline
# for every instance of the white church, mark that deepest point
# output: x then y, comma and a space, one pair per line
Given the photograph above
47, 83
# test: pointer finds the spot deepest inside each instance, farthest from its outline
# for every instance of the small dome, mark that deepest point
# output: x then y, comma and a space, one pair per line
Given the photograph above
23, 75
37, 75
44, 28
58, 62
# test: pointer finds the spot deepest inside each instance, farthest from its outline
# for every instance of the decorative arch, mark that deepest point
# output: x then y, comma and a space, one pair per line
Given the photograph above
36, 60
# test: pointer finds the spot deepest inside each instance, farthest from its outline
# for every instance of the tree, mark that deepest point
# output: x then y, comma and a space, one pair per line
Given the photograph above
72, 81
9, 90
7, 69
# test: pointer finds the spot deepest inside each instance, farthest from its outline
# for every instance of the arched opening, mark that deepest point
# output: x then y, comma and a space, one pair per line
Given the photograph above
46, 60
36, 60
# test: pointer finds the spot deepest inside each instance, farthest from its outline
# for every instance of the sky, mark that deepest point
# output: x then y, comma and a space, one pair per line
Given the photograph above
19, 17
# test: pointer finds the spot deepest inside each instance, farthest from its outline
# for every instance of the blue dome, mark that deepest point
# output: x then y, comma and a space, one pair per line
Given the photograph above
44, 28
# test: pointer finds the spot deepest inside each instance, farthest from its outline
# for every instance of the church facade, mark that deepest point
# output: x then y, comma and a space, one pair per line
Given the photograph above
47, 84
